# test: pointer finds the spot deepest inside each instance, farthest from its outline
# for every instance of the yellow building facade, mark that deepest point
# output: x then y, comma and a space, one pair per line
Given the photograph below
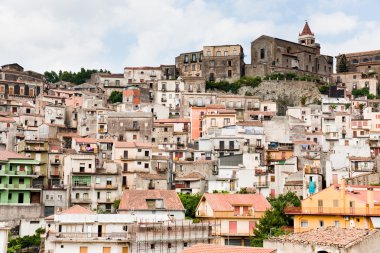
340, 206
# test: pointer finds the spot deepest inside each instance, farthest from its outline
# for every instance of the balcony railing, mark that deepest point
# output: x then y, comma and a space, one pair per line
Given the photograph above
55, 173
347, 211
81, 200
133, 158
226, 149
132, 128
261, 184
94, 236
106, 187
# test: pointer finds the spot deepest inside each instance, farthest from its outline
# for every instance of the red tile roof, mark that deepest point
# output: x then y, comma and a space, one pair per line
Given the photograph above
211, 248
77, 209
306, 30
7, 119
172, 121
225, 202
5, 155
136, 199
85, 140
124, 144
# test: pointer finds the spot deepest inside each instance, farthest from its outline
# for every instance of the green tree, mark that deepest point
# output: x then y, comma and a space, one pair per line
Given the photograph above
115, 97
303, 100
190, 202
274, 219
116, 203
342, 65
74, 77
17, 244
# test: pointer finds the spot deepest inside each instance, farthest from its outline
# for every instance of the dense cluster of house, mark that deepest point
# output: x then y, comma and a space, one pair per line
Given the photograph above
68, 155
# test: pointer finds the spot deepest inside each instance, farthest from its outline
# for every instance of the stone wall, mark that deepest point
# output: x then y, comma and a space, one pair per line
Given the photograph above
17, 212
290, 90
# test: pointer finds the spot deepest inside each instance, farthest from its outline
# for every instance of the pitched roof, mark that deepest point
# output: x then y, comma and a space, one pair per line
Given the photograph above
172, 121
5, 155
7, 119
136, 199
328, 236
212, 248
85, 140
225, 202
77, 209
364, 53
306, 30
125, 144
151, 176
191, 176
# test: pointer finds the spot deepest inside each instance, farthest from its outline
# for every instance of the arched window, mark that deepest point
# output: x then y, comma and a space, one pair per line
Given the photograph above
355, 61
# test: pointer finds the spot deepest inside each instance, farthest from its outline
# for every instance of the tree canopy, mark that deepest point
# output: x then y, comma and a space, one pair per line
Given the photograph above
342, 65
115, 97
72, 77
190, 202
17, 244
274, 219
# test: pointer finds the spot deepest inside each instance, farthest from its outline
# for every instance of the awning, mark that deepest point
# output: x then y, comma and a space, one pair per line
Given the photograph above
375, 222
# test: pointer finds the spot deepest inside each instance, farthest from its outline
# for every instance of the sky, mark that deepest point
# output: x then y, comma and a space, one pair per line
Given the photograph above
45, 35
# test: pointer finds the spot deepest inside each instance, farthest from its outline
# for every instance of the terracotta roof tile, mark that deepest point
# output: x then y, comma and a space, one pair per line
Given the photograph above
136, 199
225, 202
211, 248
124, 144
306, 30
329, 236
172, 121
5, 155
77, 209
85, 140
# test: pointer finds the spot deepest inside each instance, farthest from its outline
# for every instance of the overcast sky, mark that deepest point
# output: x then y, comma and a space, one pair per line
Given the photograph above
112, 34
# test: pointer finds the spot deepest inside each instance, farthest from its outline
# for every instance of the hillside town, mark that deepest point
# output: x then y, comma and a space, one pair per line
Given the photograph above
110, 165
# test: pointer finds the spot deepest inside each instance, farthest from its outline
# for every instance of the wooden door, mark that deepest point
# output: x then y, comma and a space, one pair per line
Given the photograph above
124, 250
83, 250
106, 249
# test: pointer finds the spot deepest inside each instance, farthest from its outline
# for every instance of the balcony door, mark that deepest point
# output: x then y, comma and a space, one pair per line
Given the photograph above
233, 227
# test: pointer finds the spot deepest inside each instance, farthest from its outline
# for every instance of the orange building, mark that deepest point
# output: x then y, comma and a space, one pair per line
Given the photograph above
342, 206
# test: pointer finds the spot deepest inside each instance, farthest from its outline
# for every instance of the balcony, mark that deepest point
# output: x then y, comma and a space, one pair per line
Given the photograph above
105, 201
226, 149
261, 185
55, 173
18, 186
346, 211
35, 148
3, 186
102, 131
132, 128
87, 149
106, 187
81, 186
124, 236
185, 185
135, 158
81, 200
55, 162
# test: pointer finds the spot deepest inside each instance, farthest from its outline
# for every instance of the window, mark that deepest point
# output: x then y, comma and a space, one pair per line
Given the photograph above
212, 63
213, 122
193, 67
85, 195
98, 195
218, 53
262, 53
152, 246
146, 153
146, 165
60, 197
229, 63
304, 223
193, 57
337, 223
109, 181
186, 59
229, 73
335, 203
108, 195
11, 90
321, 223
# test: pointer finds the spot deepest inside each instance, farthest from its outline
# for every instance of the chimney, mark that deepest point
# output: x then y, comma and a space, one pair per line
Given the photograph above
370, 201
